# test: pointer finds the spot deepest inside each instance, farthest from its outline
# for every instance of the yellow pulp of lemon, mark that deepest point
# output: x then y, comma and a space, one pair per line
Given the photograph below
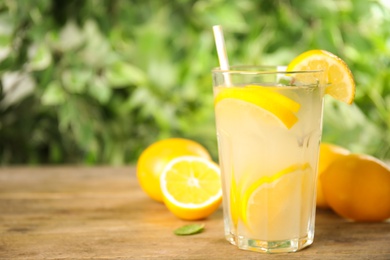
191, 187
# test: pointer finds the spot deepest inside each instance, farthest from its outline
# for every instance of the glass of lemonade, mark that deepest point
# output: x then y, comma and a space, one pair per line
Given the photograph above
269, 124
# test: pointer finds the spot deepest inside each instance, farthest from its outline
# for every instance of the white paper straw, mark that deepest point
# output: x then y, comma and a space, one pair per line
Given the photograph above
221, 50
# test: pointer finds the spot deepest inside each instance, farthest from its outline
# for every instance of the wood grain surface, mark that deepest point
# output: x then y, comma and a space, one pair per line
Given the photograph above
101, 213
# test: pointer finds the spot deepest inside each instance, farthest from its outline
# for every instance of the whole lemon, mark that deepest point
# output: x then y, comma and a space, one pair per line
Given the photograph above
154, 158
328, 154
357, 187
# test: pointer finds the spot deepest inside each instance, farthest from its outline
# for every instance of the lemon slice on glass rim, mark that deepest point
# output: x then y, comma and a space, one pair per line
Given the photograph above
338, 76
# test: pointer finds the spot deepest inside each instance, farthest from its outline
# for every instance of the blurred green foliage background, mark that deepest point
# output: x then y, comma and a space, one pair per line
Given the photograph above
96, 82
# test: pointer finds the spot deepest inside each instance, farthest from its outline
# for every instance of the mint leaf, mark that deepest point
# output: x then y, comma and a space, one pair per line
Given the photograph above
188, 230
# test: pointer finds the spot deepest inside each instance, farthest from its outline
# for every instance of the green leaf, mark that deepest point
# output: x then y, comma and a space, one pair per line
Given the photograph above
97, 51
5, 40
100, 90
53, 95
75, 80
71, 36
40, 57
190, 229
122, 74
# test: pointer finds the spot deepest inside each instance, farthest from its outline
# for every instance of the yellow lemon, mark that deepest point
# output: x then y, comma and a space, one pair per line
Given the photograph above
191, 187
357, 187
328, 154
339, 79
155, 157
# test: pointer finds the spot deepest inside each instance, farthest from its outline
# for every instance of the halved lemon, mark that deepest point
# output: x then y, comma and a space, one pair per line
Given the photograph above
339, 79
191, 187
280, 106
276, 207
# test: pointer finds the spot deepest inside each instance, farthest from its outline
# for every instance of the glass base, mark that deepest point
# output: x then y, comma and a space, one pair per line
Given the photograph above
279, 246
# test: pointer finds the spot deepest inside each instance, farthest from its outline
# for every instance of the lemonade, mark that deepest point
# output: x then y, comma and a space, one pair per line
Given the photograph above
268, 129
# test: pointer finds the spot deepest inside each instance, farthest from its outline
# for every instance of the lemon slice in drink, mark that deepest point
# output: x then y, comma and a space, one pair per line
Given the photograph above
234, 201
270, 102
338, 76
276, 207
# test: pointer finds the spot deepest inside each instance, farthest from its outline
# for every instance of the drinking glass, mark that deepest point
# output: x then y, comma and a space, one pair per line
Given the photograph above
269, 124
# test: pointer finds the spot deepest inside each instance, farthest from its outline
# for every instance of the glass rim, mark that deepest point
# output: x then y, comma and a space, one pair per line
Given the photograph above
262, 69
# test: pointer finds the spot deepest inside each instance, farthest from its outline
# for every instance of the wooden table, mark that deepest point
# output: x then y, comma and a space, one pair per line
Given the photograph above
79, 212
